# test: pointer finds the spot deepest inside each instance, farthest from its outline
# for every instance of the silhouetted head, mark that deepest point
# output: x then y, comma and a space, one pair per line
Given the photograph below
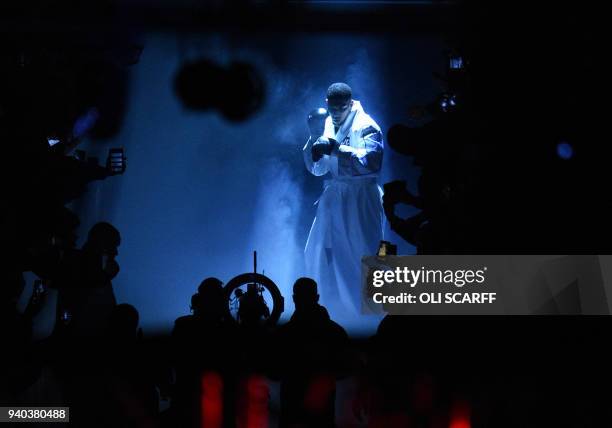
195, 306
124, 321
212, 297
211, 284
339, 102
104, 238
305, 293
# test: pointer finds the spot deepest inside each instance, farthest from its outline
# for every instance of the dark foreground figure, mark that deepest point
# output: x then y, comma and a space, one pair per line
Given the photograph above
311, 352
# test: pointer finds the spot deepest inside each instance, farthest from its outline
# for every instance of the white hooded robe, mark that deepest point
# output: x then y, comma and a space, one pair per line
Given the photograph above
349, 219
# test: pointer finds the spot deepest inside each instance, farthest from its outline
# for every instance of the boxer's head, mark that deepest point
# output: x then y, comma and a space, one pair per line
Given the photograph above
339, 102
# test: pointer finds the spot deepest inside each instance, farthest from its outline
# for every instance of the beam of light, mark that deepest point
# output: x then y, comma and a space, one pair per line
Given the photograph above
274, 228
211, 400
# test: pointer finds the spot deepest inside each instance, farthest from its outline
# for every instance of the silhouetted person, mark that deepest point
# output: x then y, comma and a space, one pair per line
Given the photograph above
46, 242
129, 376
86, 297
208, 312
204, 343
18, 369
311, 351
211, 300
85, 307
123, 326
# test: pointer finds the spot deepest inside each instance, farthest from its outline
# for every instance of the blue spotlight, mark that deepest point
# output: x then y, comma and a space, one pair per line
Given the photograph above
565, 150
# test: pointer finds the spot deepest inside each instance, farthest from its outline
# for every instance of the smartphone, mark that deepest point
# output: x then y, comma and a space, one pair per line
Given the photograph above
116, 157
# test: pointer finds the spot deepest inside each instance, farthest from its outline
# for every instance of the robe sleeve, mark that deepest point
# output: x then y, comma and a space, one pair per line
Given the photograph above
365, 158
321, 167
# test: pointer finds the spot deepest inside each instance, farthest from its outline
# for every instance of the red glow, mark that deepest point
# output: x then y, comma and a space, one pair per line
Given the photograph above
319, 392
460, 423
460, 415
253, 407
211, 401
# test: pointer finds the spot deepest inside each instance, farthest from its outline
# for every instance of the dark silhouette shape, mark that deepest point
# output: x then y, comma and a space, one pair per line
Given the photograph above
237, 91
211, 300
128, 372
17, 370
205, 346
86, 298
253, 311
123, 324
210, 284
310, 353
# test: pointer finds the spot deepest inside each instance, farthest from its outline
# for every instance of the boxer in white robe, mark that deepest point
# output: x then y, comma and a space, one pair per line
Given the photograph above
349, 219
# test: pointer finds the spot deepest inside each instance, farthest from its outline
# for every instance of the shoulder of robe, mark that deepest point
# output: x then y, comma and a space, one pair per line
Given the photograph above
364, 122
371, 132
